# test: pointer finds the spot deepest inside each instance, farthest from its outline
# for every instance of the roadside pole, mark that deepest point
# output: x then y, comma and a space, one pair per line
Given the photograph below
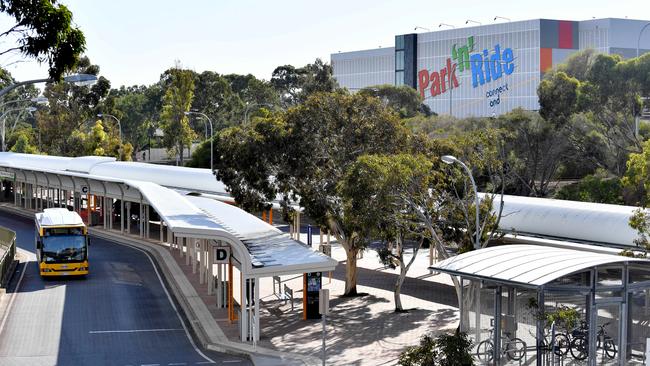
324, 310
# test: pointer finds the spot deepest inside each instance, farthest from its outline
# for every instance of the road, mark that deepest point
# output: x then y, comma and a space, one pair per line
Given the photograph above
119, 315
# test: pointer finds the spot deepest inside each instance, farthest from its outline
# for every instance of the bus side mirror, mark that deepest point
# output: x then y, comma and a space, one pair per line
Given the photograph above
88, 241
39, 245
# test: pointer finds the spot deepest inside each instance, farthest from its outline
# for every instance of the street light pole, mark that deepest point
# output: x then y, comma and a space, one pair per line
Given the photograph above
448, 159
211, 134
638, 46
638, 41
76, 79
4, 148
119, 125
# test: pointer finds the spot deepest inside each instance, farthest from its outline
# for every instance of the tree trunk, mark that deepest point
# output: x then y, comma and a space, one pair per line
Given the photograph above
351, 272
398, 288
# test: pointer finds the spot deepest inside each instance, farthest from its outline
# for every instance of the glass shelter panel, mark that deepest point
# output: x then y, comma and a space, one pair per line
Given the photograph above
610, 277
608, 333
565, 318
638, 325
638, 274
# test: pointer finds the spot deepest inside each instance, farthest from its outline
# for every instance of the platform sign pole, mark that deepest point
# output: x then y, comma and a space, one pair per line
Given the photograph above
324, 310
309, 232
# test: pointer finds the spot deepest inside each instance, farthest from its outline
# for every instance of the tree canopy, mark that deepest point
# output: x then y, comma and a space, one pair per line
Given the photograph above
45, 32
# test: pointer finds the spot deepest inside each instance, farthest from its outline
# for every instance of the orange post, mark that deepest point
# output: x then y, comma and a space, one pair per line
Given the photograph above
271, 216
264, 215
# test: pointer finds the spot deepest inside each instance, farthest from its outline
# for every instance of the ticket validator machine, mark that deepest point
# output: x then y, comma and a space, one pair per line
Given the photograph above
311, 285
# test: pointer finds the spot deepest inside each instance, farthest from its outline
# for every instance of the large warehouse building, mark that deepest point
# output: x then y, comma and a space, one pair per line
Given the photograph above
486, 70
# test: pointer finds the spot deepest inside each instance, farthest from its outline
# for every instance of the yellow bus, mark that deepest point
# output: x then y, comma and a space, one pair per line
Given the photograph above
61, 243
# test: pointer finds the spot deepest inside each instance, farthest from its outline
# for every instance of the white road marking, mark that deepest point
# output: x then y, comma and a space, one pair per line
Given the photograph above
187, 333
203, 363
134, 330
13, 296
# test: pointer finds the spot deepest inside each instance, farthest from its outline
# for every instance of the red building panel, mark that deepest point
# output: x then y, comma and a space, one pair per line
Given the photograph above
565, 33
545, 59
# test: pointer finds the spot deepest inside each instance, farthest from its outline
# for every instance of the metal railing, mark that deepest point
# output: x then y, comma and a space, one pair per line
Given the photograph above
7, 252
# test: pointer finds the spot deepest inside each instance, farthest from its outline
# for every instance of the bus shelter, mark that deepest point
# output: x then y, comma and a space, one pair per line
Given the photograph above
529, 304
165, 205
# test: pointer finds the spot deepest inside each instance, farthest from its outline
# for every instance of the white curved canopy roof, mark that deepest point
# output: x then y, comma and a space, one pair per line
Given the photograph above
269, 247
262, 249
583, 221
525, 265
191, 179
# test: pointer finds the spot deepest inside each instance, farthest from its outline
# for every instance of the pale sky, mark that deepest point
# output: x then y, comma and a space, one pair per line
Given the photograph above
134, 41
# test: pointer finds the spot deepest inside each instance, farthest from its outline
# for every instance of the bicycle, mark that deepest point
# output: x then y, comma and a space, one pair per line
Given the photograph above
580, 344
561, 344
513, 348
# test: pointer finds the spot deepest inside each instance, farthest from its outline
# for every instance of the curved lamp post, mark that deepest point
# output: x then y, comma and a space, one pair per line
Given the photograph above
119, 125
449, 159
638, 41
77, 79
29, 109
211, 134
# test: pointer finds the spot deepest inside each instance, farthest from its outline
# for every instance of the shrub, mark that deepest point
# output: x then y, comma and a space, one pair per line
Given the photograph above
443, 350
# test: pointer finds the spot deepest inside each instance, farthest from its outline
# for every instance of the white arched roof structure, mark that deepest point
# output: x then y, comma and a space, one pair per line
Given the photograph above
526, 265
190, 179
261, 249
582, 221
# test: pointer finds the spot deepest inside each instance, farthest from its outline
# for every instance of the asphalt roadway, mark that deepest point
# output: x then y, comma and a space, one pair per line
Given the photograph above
121, 314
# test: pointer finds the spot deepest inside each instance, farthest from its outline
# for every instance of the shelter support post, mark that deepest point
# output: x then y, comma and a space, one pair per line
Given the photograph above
188, 250
231, 310
195, 243
210, 274
622, 339
592, 319
477, 312
128, 218
170, 238
219, 290
122, 215
497, 325
244, 306
202, 261
461, 307
540, 327
256, 333
147, 222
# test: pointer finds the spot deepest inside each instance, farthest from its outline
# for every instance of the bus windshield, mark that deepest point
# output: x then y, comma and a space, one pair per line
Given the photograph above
64, 248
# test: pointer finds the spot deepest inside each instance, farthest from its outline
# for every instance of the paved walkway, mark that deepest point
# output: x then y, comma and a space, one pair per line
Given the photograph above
362, 330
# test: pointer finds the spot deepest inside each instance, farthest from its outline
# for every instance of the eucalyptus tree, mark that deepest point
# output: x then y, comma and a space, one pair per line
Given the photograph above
177, 100
303, 154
